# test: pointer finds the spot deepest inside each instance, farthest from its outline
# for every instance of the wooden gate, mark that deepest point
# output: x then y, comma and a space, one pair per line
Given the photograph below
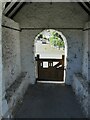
50, 69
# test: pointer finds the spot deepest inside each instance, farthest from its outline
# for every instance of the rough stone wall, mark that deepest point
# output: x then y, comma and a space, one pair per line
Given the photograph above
89, 70
0, 61
57, 15
73, 59
11, 52
74, 53
86, 61
86, 53
88, 40
88, 26
27, 53
85, 56
80, 88
81, 83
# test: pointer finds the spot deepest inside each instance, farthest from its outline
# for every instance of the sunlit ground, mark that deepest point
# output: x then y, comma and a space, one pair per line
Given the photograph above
48, 51
57, 82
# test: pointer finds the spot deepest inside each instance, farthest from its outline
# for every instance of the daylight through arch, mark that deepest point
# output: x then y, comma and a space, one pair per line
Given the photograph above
51, 40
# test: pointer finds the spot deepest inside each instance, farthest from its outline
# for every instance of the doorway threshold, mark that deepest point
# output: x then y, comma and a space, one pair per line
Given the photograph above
57, 82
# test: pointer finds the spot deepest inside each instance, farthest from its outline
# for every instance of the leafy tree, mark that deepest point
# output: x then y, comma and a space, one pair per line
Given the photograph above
56, 39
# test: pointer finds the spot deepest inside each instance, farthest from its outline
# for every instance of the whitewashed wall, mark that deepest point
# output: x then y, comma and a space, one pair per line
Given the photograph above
57, 15
27, 53
89, 69
11, 52
86, 53
44, 15
81, 83
86, 62
0, 60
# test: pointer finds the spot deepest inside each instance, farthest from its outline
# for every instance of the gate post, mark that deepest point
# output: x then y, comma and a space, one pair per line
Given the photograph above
38, 64
63, 60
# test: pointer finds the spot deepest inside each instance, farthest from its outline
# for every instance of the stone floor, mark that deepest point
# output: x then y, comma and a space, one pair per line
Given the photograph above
49, 101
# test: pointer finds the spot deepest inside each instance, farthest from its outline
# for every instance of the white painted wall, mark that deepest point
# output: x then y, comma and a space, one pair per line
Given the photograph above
89, 70
27, 53
80, 82
74, 53
57, 15
11, 52
0, 60
87, 63
85, 56
86, 53
89, 54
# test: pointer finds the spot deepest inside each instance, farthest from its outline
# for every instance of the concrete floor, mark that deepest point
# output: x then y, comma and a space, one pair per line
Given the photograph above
49, 101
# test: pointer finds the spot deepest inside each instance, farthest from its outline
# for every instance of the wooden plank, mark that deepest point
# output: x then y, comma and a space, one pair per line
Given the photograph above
9, 7
54, 60
84, 8
15, 9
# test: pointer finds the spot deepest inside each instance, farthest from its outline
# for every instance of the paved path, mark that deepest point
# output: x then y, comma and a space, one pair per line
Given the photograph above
49, 101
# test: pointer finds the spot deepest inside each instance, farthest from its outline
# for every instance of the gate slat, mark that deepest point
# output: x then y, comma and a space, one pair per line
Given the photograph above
51, 73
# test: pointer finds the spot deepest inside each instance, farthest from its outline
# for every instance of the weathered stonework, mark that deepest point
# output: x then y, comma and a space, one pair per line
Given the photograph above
81, 82
80, 87
15, 93
50, 16
13, 88
18, 49
0, 60
11, 52
86, 53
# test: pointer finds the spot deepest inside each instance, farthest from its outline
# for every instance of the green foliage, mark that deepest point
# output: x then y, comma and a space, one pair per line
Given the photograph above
56, 39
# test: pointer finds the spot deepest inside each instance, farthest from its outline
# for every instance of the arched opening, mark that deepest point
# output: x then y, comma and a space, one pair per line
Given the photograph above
50, 52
